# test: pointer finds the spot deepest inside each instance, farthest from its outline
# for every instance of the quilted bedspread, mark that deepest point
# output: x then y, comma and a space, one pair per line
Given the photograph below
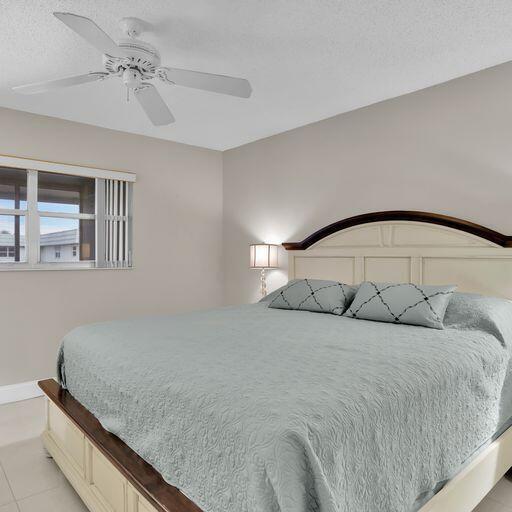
251, 409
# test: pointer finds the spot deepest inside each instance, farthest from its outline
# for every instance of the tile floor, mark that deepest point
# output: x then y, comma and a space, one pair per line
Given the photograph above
31, 482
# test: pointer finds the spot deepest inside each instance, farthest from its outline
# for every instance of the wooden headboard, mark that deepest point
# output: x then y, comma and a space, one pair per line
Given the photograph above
405, 246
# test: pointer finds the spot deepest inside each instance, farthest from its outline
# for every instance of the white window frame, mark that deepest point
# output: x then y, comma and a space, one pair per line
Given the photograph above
32, 214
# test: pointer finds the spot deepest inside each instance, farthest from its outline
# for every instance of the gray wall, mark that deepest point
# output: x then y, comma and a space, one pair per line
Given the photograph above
445, 149
178, 213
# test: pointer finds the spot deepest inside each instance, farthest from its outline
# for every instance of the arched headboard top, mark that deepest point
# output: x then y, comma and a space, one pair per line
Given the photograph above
406, 216
405, 246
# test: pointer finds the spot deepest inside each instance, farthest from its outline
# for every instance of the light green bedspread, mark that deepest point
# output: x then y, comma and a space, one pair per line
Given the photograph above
251, 409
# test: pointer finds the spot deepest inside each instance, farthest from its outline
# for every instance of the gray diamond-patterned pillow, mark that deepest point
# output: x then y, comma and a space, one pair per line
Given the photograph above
314, 295
401, 303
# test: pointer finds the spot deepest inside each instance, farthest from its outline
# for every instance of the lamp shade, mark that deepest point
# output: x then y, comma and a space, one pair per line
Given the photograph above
263, 256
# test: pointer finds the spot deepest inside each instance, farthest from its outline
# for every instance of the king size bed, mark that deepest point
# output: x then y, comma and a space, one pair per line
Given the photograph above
261, 408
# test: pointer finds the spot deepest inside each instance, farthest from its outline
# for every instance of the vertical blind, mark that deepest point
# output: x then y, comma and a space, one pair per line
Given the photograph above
117, 225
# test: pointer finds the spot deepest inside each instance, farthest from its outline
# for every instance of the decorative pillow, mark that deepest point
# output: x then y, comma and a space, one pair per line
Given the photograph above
314, 295
272, 295
401, 303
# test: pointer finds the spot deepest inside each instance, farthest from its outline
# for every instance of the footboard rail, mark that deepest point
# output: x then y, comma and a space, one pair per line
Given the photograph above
107, 474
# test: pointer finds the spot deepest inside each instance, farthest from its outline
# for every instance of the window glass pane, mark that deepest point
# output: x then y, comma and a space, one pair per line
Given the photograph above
12, 239
65, 194
13, 188
66, 240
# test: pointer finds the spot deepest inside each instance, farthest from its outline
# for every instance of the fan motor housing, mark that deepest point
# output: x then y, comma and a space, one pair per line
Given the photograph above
140, 55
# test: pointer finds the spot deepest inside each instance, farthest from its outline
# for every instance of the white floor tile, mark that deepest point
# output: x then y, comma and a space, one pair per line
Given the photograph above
61, 499
502, 492
12, 507
5, 491
28, 469
489, 505
22, 420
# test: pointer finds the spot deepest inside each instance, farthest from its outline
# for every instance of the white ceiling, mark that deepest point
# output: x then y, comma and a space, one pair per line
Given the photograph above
306, 60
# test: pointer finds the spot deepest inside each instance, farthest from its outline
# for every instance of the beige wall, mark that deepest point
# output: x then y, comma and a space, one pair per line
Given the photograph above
177, 241
445, 149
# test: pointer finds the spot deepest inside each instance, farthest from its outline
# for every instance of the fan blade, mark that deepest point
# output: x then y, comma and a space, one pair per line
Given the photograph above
206, 81
53, 85
153, 104
93, 34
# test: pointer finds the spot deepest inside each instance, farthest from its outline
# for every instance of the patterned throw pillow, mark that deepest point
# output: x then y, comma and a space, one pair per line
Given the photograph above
314, 295
401, 303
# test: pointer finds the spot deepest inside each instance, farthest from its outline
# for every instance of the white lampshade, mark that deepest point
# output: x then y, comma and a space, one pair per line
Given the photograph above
263, 256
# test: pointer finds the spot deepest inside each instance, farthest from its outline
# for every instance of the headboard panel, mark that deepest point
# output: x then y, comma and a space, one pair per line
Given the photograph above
417, 251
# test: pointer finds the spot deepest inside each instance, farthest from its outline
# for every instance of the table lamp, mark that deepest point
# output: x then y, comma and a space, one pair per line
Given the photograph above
263, 257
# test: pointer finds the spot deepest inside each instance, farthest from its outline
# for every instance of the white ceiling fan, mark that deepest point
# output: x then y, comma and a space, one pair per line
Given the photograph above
136, 62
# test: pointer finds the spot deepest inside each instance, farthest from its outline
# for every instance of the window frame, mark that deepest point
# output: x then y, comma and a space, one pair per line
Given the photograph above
32, 214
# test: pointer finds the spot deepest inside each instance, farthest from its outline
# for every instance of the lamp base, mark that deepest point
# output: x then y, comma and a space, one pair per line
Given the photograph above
263, 283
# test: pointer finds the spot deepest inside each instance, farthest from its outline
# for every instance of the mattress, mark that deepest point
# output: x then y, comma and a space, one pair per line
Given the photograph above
262, 410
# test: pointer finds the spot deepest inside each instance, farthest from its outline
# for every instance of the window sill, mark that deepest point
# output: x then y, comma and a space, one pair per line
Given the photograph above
23, 267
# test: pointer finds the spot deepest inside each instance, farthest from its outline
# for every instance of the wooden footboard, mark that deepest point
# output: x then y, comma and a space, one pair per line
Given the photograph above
107, 474
110, 477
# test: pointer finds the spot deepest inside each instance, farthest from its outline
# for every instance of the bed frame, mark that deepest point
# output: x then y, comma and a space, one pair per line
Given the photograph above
400, 246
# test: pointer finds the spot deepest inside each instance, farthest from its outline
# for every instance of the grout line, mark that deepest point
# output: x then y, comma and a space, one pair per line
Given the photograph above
17, 500
62, 484
39, 492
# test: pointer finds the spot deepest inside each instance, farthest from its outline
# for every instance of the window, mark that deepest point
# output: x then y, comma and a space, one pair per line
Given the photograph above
66, 206
7, 252
13, 211
53, 218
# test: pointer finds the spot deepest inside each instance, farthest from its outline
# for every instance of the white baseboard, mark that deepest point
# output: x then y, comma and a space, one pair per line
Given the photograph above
18, 392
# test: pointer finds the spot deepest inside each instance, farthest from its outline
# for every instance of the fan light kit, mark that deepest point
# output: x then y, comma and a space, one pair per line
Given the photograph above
136, 63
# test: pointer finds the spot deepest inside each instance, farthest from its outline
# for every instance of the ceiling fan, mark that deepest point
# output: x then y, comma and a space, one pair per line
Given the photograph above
136, 62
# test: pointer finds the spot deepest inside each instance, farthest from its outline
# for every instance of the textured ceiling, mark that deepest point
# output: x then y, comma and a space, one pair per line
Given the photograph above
306, 60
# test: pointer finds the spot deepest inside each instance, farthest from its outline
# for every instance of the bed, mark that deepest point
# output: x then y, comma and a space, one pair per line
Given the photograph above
256, 409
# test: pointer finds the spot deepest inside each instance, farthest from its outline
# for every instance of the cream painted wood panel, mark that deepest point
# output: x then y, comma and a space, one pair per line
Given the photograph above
132, 499
107, 482
404, 251
144, 506
354, 237
419, 235
340, 269
136, 503
396, 270
488, 276
69, 437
